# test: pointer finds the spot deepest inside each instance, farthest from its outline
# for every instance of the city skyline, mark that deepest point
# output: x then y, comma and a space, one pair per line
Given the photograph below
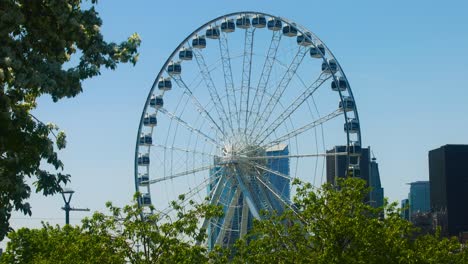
101, 123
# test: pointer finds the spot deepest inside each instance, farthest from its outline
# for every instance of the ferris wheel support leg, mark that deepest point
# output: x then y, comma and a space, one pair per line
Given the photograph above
248, 197
227, 223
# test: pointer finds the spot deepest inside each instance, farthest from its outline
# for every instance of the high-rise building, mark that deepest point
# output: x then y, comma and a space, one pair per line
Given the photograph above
419, 198
405, 209
338, 165
377, 192
280, 185
448, 174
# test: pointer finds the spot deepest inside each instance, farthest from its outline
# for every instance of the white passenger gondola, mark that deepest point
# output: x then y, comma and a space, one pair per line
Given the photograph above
164, 84
341, 85
143, 179
259, 21
354, 171
331, 67
317, 51
185, 54
174, 68
150, 120
289, 30
156, 101
354, 149
145, 200
145, 140
228, 26
352, 126
274, 24
212, 32
347, 104
243, 22
143, 160
199, 42
304, 39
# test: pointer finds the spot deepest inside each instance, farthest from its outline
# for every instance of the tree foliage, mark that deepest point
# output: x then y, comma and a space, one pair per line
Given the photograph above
331, 225
334, 225
121, 236
47, 47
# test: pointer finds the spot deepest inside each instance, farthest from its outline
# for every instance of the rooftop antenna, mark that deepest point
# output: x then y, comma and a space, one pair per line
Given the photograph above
67, 208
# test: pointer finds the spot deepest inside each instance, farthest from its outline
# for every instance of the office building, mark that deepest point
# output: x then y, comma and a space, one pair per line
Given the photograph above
419, 198
337, 166
448, 174
405, 209
377, 192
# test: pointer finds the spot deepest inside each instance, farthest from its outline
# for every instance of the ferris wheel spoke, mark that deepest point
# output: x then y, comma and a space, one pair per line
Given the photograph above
228, 79
283, 84
263, 199
215, 98
203, 112
228, 218
302, 129
181, 174
246, 73
265, 75
214, 178
286, 202
297, 156
188, 126
184, 150
266, 169
289, 110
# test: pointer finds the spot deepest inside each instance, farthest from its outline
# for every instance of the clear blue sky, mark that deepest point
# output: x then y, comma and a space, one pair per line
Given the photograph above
407, 62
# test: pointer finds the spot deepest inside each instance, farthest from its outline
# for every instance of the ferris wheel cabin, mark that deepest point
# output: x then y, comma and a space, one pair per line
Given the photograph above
174, 68
331, 67
150, 120
143, 160
145, 140
185, 54
199, 42
341, 86
274, 24
259, 21
304, 39
145, 199
164, 84
212, 33
143, 179
228, 26
156, 102
243, 22
290, 31
317, 51
352, 126
347, 104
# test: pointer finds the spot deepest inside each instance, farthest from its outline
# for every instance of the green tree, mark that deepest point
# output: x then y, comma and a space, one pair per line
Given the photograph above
47, 47
120, 236
335, 225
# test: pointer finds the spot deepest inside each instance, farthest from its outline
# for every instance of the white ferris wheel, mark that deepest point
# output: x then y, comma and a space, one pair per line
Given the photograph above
242, 106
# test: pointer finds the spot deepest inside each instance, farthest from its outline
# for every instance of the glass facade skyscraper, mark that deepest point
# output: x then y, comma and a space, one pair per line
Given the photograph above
419, 198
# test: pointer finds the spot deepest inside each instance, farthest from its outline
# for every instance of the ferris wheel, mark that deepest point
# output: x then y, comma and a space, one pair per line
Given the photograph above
242, 106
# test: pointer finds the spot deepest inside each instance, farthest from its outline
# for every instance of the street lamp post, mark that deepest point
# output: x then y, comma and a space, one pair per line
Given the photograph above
67, 208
